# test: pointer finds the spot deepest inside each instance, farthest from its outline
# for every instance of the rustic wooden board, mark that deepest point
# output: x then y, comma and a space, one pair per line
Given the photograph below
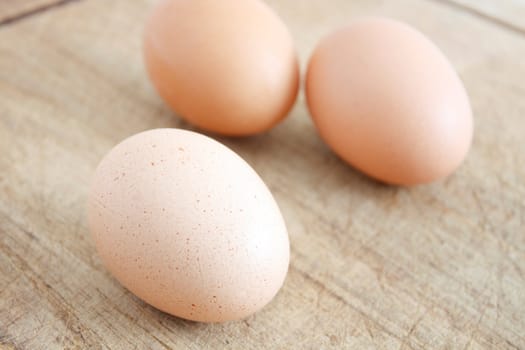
14, 10
432, 267
507, 13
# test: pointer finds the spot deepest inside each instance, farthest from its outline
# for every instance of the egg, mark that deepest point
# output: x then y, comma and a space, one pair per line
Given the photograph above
388, 102
188, 226
226, 66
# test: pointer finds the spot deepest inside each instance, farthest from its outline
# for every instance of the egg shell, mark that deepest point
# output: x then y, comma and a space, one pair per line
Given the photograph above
387, 101
188, 226
227, 66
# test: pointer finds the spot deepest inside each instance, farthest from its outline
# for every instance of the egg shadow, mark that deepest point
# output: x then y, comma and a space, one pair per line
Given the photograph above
137, 308
293, 155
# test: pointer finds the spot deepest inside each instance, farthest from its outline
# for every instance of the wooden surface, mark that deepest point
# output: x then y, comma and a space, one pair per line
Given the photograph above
506, 13
13, 11
372, 267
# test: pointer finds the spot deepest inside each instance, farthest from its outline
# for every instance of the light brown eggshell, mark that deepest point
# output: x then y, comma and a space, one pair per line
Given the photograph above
227, 66
387, 101
188, 226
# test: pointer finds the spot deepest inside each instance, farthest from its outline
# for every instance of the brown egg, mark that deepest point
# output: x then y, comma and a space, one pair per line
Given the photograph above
227, 66
188, 226
387, 101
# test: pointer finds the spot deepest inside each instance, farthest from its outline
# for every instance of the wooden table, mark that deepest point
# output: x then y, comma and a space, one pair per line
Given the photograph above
432, 267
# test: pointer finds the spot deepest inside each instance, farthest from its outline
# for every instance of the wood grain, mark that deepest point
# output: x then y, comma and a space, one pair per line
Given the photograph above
507, 13
372, 267
12, 11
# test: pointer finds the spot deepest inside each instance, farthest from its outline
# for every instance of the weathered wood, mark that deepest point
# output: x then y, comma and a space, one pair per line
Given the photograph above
506, 13
11, 11
432, 267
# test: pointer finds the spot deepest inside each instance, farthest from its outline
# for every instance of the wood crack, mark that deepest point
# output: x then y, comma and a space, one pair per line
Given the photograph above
34, 12
484, 16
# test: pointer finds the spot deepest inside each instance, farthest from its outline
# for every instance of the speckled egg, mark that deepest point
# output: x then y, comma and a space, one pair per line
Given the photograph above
188, 226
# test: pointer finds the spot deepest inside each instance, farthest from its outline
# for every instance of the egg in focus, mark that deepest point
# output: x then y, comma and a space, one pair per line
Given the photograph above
388, 102
228, 66
188, 226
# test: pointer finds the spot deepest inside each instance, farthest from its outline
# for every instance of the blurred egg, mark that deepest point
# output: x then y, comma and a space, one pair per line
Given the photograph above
188, 226
226, 66
387, 101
